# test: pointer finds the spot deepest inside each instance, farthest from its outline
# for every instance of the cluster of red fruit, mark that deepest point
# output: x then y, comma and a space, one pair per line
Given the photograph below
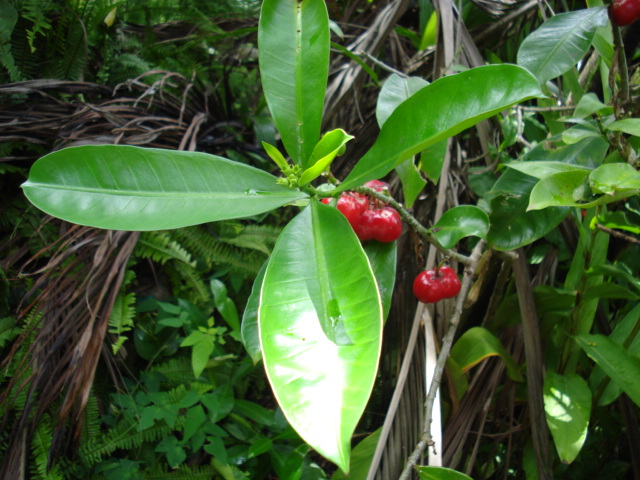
431, 286
369, 217
624, 12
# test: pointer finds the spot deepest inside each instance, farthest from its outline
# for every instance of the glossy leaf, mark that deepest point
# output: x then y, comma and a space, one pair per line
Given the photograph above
249, 328
621, 366
460, 222
561, 189
397, 89
544, 169
394, 91
560, 43
478, 343
612, 178
589, 153
131, 188
293, 46
320, 322
383, 260
323, 154
512, 226
567, 405
440, 473
440, 110
361, 458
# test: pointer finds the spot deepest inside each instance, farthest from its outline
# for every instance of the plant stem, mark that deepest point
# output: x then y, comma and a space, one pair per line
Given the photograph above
445, 350
413, 222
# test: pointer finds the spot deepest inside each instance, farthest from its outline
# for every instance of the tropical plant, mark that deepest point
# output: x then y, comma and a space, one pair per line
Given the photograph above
316, 313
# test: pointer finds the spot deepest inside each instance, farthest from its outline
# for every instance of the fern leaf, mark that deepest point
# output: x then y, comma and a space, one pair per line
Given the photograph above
160, 247
40, 446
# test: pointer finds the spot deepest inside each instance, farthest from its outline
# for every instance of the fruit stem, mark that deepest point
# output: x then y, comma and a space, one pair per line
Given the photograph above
413, 222
426, 438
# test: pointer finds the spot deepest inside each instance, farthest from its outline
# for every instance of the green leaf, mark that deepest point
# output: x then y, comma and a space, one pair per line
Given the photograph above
542, 169
461, 222
394, 91
249, 329
276, 156
323, 154
383, 259
478, 343
122, 187
440, 110
567, 405
561, 189
224, 304
361, 458
412, 181
626, 125
560, 43
613, 178
512, 226
619, 364
440, 473
589, 152
293, 46
320, 329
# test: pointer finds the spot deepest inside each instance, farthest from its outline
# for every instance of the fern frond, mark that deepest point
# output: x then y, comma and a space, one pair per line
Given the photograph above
214, 252
40, 446
8, 330
189, 284
160, 247
176, 370
123, 312
125, 436
261, 237
36, 12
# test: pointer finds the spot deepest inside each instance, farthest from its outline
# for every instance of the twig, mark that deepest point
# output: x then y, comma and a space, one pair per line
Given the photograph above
413, 222
615, 233
447, 343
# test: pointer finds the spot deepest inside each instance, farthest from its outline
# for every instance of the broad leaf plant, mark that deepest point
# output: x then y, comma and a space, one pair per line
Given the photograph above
316, 313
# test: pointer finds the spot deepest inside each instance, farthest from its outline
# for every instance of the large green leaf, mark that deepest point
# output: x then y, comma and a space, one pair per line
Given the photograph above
568, 188
621, 366
512, 226
460, 222
440, 110
567, 405
131, 188
560, 43
320, 322
293, 48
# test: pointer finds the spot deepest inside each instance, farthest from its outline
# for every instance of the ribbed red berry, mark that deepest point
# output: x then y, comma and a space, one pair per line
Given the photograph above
431, 286
624, 12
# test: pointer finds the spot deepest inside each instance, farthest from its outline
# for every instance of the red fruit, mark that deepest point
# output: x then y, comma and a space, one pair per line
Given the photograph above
352, 205
383, 224
624, 12
377, 185
431, 286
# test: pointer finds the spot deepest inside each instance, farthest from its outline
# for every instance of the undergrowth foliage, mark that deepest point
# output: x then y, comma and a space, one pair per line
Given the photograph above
547, 255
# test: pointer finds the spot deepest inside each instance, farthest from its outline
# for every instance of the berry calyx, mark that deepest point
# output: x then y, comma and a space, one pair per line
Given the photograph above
624, 12
431, 286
